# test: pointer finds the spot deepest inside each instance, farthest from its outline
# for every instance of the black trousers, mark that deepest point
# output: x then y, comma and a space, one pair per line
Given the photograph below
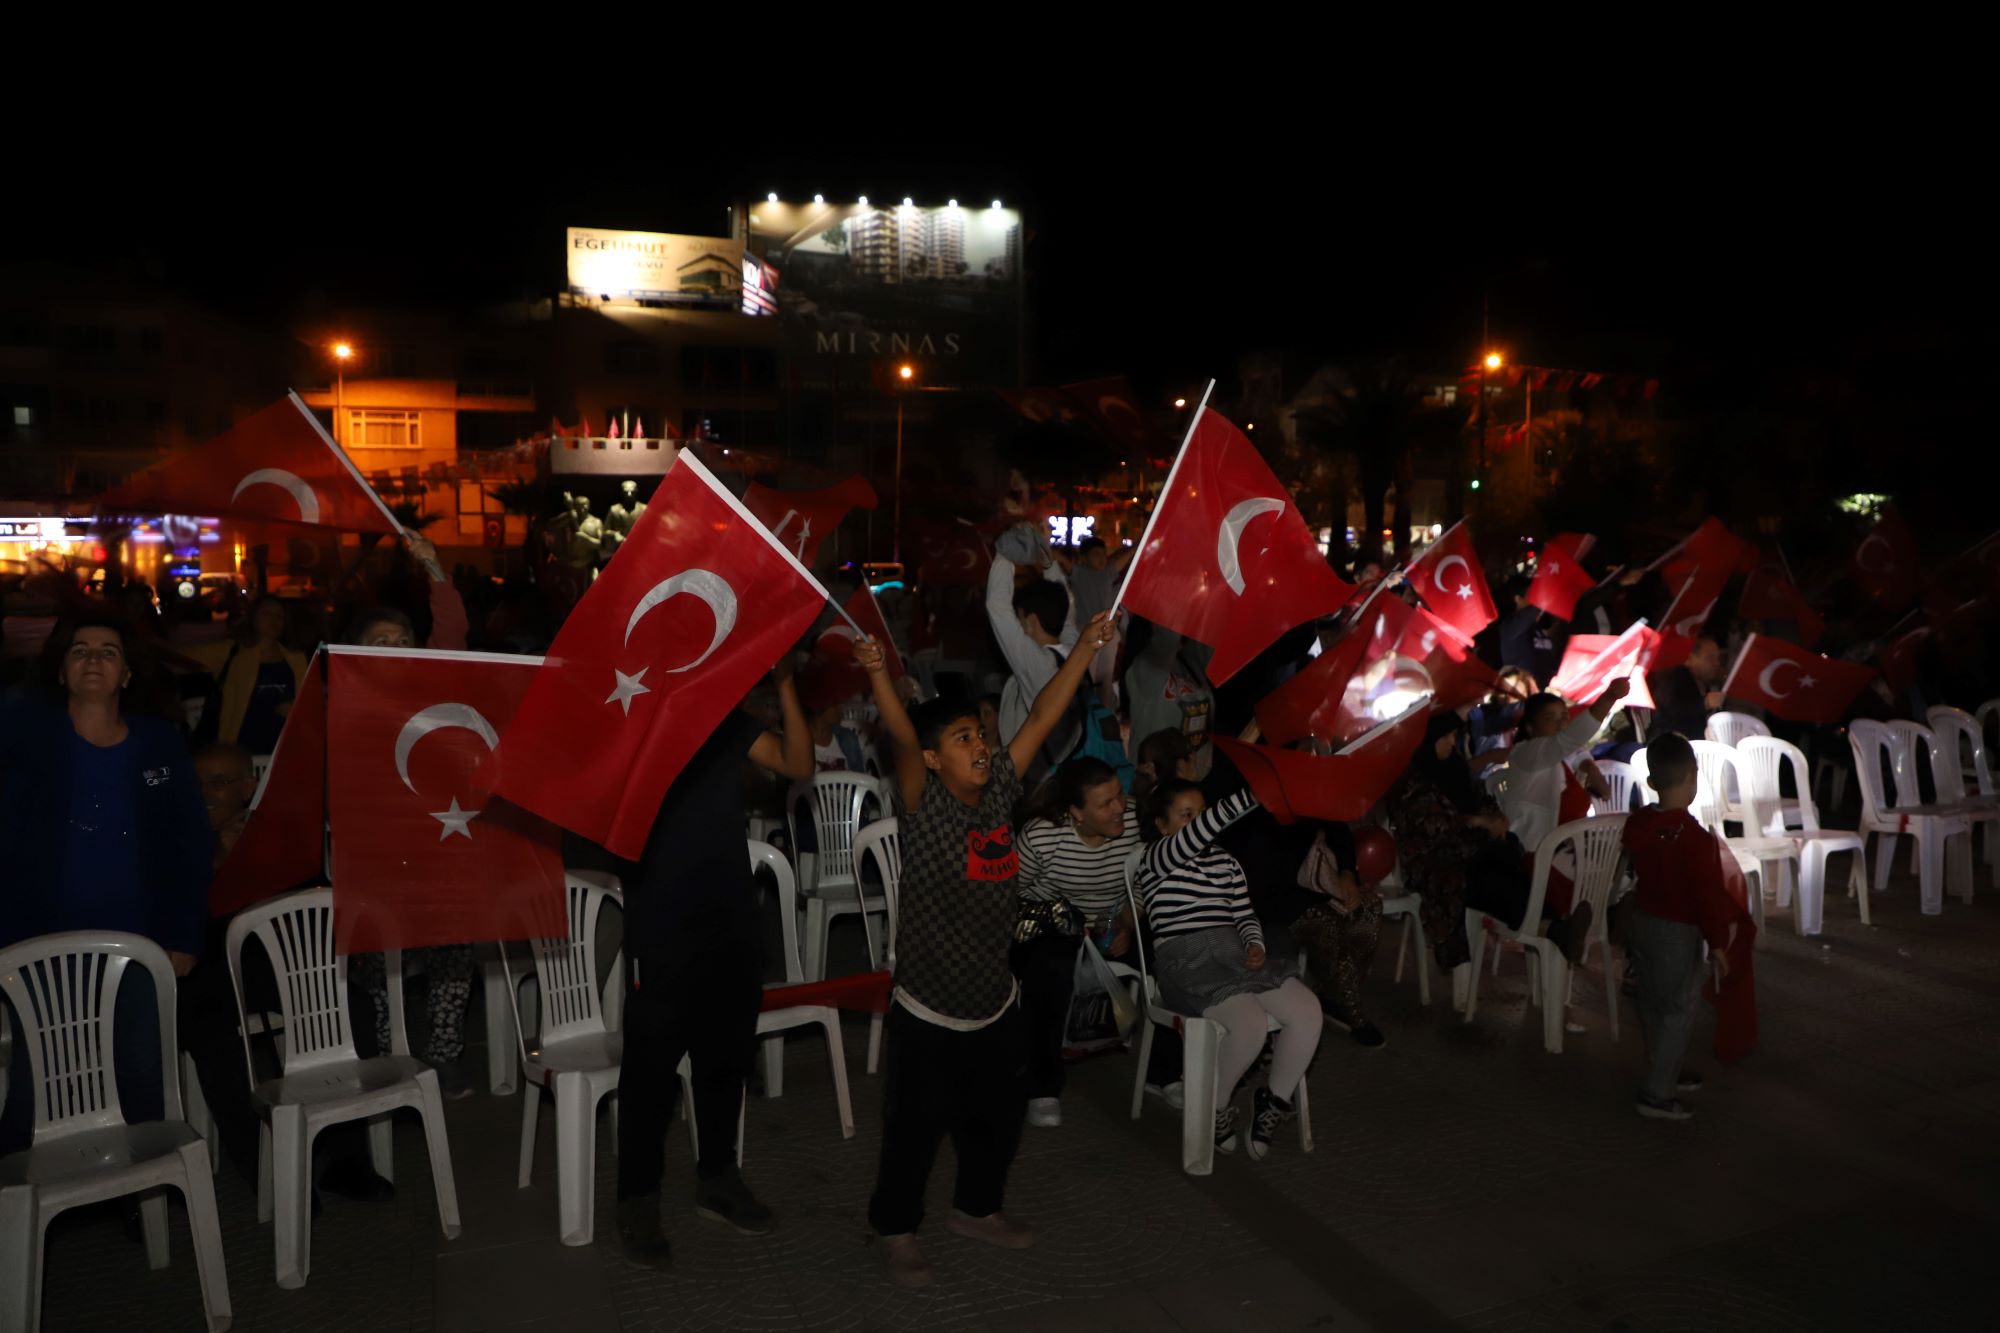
1046, 969
939, 1082
695, 994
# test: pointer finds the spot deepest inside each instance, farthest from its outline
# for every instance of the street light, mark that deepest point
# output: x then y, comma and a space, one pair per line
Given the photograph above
342, 352
906, 374
1494, 361
1179, 403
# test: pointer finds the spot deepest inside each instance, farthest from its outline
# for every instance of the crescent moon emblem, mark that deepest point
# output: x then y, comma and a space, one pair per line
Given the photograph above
1688, 625
1437, 575
971, 556
434, 718
289, 481
711, 588
840, 631
1764, 679
1110, 406
1888, 565
1230, 535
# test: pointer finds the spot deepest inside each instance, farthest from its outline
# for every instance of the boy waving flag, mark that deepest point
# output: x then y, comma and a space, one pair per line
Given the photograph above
1226, 558
698, 603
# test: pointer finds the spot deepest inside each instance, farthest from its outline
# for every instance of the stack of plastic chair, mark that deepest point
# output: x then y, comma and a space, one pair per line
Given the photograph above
1915, 745
1623, 782
1891, 813
1201, 1046
837, 803
881, 845
1732, 729
64, 990
324, 1082
1760, 759
1959, 757
1597, 843
772, 1022
1757, 853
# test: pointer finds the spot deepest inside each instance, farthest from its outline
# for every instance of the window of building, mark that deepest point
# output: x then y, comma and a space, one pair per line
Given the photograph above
382, 428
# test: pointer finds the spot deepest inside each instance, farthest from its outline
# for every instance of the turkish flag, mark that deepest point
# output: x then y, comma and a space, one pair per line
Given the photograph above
423, 851
1292, 784
1226, 558
1899, 657
1770, 594
1793, 683
803, 519
1311, 702
1707, 560
1453, 586
654, 656
1885, 564
949, 553
1111, 408
1457, 677
1592, 661
278, 463
284, 843
1560, 578
866, 612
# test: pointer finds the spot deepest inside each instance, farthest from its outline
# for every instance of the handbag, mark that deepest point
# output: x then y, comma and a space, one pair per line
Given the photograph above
1320, 873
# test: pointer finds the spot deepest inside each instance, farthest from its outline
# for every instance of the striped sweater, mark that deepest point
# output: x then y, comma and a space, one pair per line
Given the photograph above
1056, 864
1189, 884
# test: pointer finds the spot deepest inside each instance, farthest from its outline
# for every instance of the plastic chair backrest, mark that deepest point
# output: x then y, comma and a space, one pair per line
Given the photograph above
882, 843
566, 965
296, 930
857, 715
1598, 843
1641, 773
1760, 760
763, 856
64, 990
1958, 736
835, 801
1987, 718
1869, 742
1622, 780
1905, 740
1713, 760
1731, 728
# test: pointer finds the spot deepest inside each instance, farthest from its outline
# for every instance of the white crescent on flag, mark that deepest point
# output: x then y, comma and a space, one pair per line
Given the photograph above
1230, 535
421, 724
307, 499
1766, 679
1463, 590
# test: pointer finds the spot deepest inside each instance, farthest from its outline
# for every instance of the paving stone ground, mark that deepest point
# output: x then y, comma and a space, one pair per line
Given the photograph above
1845, 1177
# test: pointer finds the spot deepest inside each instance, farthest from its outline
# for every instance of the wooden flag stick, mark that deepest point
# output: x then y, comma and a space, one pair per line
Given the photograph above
1166, 489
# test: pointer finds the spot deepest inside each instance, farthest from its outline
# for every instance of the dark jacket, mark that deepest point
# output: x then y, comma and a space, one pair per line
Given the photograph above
175, 848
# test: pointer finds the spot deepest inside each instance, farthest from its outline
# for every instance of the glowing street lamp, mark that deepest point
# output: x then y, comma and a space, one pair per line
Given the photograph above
1179, 403
342, 354
1494, 361
906, 375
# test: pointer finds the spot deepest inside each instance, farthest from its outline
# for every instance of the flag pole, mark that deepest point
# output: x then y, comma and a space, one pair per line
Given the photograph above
345, 462
727, 497
1166, 489
1736, 666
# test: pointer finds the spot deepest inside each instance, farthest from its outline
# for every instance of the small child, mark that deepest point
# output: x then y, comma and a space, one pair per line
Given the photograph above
1679, 902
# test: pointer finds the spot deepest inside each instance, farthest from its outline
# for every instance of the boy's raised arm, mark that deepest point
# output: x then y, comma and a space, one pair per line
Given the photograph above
896, 721
1056, 696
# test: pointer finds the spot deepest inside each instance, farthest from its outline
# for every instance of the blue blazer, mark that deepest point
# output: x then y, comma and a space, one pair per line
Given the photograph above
176, 848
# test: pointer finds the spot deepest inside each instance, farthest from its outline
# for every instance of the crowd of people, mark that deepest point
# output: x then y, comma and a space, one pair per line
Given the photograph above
1063, 795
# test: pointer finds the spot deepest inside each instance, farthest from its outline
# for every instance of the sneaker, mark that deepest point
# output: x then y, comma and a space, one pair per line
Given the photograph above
1045, 1112
640, 1240
1225, 1129
1268, 1112
1572, 933
726, 1199
907, 1265
1367, 1034
1670, 1109
451, 1083
995, 1229
1174, 1094
1689, 1081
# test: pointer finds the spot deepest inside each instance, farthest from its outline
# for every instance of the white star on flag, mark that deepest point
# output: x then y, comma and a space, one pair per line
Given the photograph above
1463, 591
627, 688
1805, 682
454, 820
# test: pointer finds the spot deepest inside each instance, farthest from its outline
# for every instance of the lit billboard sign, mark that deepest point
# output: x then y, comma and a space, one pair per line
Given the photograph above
760, 287
656, 266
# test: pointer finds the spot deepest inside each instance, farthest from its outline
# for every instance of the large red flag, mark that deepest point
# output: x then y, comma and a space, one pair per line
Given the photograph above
423, 852
1449, 579
1226, 558
1770, 594
1457, 677
1310, 703
284, 843
1560, 578
1292, 784
867, 613
1697, 577
1885, 564
1788, 681
278, 463
803, 519
1592, 661
947, 553
651, 660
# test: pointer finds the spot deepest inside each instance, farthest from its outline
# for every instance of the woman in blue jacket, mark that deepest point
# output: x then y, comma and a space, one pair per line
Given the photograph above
102, 818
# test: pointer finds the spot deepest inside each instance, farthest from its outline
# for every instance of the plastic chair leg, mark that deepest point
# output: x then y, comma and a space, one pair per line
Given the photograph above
440, 1149
501, 1049
1145, 1058
20, 1258
1554, 978
1857, 882
153, 1224
1201, 1042
837, 1052
611, 1112
382, 1145
1885, 852
1461, 986
1305, 1118
576, 1158
874, 1042
265, 1205
1958, 860
1402, 949
774, 1065
1476, 933
291, 1191
816, 934
1809, 907
1930, 879
205, 1226
198, 1116
531, 1112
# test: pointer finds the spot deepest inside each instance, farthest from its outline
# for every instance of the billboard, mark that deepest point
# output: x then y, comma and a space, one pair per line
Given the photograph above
760, 287
862, 285
656, 266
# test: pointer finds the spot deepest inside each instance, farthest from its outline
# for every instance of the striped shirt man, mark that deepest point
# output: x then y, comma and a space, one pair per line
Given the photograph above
1056, 864
1189, 884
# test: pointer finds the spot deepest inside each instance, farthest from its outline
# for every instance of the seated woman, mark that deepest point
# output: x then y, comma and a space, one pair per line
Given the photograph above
1541, 789
1209, 956
1457, 850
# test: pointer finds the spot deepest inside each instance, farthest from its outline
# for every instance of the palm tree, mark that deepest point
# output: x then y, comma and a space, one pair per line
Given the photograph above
1380, 421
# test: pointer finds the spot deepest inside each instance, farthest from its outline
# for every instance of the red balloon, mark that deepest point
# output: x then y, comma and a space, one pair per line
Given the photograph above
1374, 853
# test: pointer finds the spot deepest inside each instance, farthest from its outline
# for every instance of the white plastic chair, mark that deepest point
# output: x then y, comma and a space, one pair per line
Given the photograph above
1201, 1044
772, 1022
881, 842
1409, 906
1756, 851
324, 1082
1730, 729
1759, 761
1642, 787
1596, 843
1622, 781
836, 802
64, 988
1934, 826
1948, 781
1987, 718
1959, 756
